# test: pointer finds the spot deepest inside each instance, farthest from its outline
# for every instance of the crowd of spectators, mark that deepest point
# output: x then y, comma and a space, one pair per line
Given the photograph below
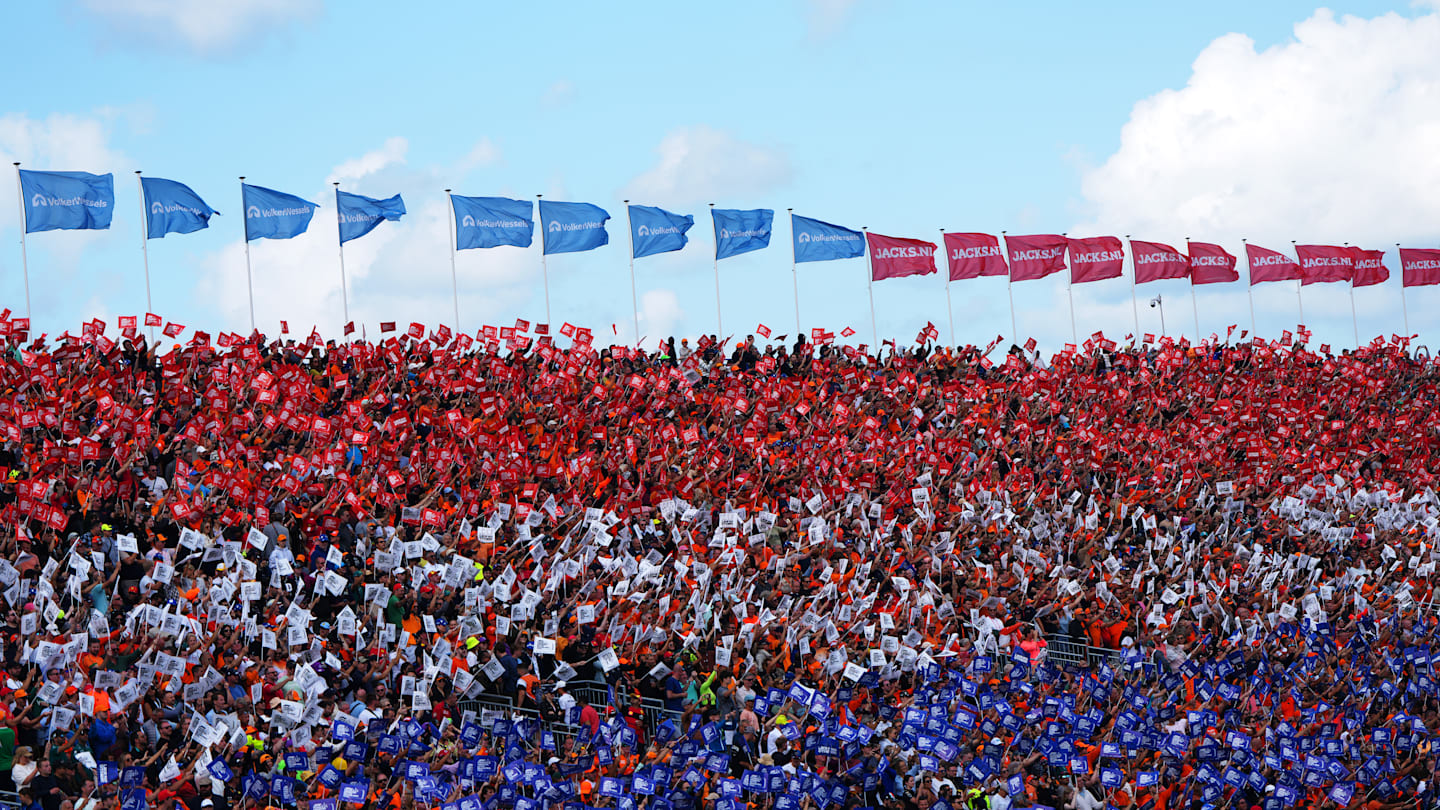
516, 571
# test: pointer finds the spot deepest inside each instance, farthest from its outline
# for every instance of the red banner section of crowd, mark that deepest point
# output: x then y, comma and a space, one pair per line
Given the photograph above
516, 571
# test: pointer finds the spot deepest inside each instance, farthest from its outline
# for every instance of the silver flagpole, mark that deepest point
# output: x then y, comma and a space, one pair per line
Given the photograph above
1134, 280
870, 286
1299, 284
1010, 288
24, 221
1250, 286
1354, 319
1070, 292
1194, 305
249, 279
949, 309
719, 329
454, 282
794, 274
544, 269
344, 286
145, 246
634, 298
1404, 308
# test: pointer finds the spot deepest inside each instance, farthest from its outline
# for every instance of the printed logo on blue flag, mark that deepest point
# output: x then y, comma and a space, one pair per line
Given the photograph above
739, 231
271, 214
359, 215
172, 207
817, 241
67, 201
655, 230
573, 227
486, 222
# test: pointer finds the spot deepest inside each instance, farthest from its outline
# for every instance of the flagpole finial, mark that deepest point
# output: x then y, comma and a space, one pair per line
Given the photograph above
137, 171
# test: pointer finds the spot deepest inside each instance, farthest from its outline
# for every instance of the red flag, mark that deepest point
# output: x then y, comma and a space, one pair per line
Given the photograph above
1035, 256
1419, 267
1267, 265
1155, 261
151, 319
972, 255
350, 328
1211, 264
763, 330
894, 257
387, 326
416, 330
1095, 259
1323, 263
1369, 267
172, 329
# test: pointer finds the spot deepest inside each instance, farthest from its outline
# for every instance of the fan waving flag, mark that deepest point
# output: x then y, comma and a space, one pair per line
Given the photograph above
1267, 265
1370, 267
1036, 256
67, 201
1419, 267
271, 214
1320, 264
655, 230
572, 227
1211, 264
894, 257
486, 222
1155, 261
972, 255
172, 207
359, 215
817, 241
738, 231
1095, 259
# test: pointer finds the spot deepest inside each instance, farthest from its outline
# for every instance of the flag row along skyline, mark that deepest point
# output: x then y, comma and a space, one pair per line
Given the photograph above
83, 201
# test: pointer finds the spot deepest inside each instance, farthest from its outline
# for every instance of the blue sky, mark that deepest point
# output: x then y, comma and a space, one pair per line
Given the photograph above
903, 117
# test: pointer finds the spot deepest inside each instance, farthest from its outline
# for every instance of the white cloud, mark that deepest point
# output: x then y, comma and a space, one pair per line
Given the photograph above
204, 26
559, 93
390, 153
703, 164
399, 272
829, 16
1331, 136
660, 314
484, 153
1327, 138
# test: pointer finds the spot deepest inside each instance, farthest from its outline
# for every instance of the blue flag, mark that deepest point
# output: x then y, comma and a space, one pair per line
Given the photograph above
739, 232
486, 222
654, 230
573, 227
359, 215
67, 201
273, 214
817, 241
172, 207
